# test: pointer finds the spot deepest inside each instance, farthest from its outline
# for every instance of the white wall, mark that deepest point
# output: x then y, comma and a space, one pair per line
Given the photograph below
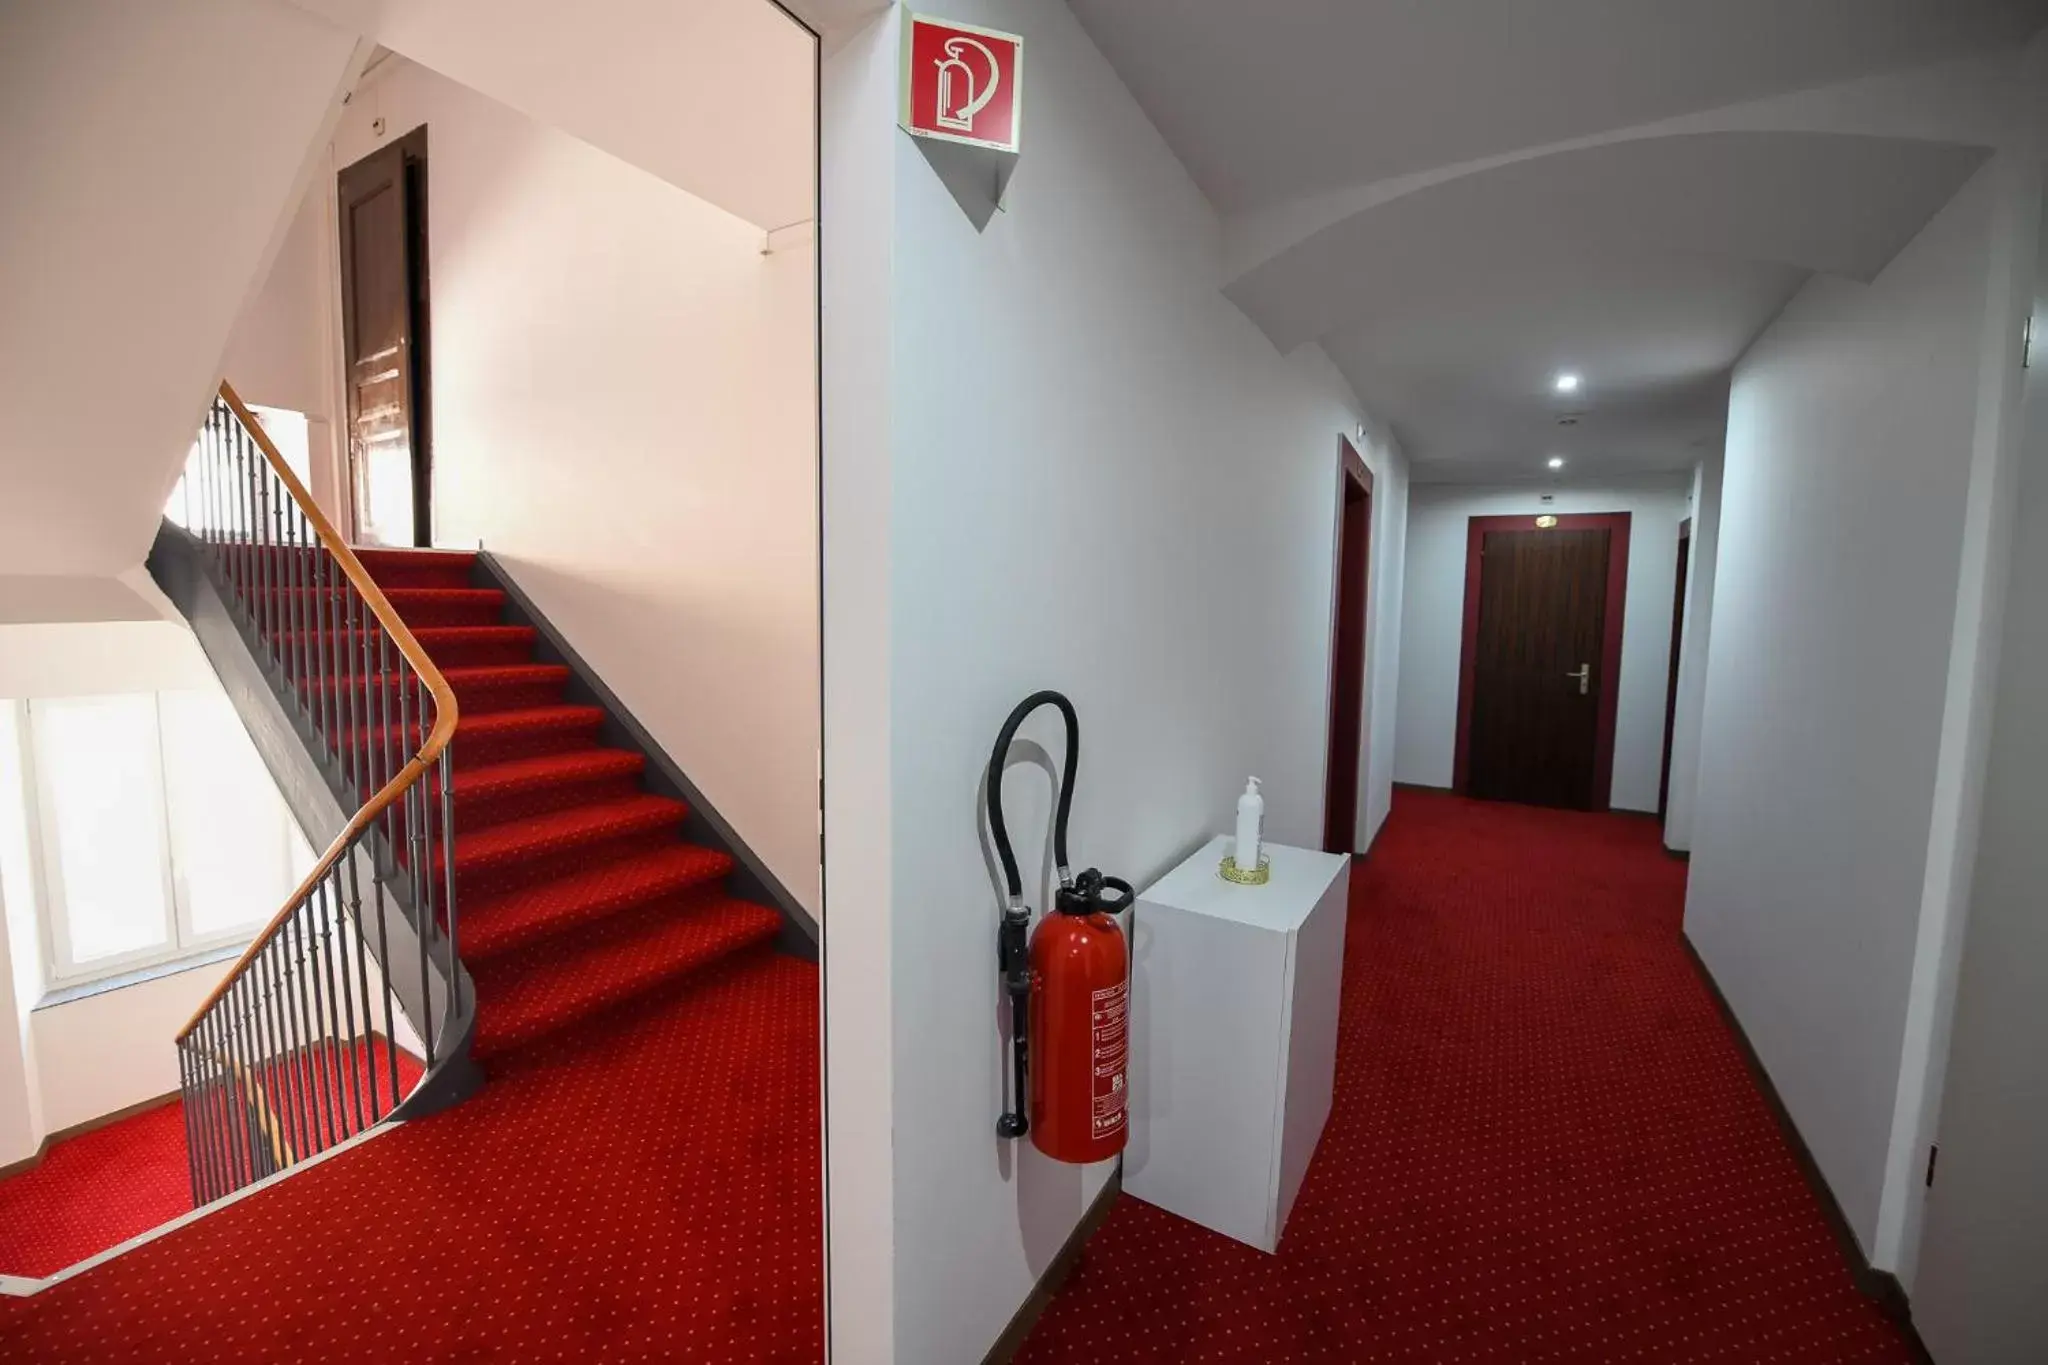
154, 153
1101, 478
1695, 641
624, 411
1433, 619
1848, 612
1981, 1289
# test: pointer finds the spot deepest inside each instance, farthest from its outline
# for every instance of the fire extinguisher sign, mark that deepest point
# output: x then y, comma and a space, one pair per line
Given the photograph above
1109, 1049
962, 83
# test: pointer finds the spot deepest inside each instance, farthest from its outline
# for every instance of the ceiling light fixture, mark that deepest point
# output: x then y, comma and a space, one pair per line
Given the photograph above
1557, 462
1567, 382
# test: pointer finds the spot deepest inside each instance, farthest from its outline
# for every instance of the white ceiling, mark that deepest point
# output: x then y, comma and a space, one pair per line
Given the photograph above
1459, 198
654, 82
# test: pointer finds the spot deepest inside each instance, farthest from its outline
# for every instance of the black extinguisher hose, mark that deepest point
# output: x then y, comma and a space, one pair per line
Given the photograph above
1013, 939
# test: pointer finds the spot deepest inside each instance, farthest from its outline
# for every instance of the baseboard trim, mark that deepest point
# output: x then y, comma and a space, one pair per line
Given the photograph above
1880, 1285
751, 878
29, 1163
1425, 787
1013, 1337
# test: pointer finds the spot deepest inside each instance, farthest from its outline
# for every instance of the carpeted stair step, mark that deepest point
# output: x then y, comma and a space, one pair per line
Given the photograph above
495, 925
296, 609
546, 988
494, 737
418, 568
545, 847
448, 646
507, 687
478, 691
534, 786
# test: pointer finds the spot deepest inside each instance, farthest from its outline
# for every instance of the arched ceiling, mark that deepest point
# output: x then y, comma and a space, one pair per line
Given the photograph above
1460, 198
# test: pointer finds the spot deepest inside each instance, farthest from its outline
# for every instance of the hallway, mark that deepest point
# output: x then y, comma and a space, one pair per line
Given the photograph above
1544, 1146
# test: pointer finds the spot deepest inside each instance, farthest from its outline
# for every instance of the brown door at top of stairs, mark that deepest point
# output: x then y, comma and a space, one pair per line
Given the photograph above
382, 205
1538, 670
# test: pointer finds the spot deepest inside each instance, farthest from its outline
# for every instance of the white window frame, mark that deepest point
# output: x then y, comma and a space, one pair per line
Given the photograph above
181, 942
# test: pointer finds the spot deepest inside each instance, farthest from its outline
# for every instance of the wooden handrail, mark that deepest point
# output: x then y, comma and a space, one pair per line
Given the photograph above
421, 763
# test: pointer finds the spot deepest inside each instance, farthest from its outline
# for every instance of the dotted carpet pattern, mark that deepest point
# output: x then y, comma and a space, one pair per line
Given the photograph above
641, 1178
1544, 1146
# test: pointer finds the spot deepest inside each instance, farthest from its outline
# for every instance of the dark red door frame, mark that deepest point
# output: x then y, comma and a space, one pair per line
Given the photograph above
1350, 611
1609, 672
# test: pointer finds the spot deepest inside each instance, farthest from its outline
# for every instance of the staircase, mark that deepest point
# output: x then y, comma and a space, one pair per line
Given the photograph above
508, 887
578, 891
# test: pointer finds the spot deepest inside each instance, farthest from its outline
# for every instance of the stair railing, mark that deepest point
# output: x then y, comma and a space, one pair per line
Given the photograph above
351, 995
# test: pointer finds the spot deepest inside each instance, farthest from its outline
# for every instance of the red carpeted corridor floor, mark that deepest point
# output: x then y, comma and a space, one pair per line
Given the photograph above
1545, 1146
640, 1180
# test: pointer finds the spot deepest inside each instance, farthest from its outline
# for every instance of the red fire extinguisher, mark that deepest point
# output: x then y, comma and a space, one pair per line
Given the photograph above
1069, 982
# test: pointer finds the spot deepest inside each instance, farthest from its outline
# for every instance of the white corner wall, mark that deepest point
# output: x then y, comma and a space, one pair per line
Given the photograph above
1695, 640
1840, 745
1100, 478
154, 154
1433, 622
624, 412
1383, 640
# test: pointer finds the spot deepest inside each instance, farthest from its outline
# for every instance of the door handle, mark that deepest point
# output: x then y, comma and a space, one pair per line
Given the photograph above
1584, 673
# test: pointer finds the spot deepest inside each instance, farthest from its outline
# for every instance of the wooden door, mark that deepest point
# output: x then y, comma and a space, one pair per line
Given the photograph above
1347, 658
1538, 669
383, 323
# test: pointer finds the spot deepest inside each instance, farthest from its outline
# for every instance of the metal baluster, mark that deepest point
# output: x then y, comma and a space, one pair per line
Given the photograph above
331, 1102
369, 1035
388, 742
309, 1052
278, 1068
372, 683
185, 1103
239, 1050
346, 1086
259, 495
354, 913
210, 1112
259, 1037
302, 608
384, 975
357, 620
331, 651
417, 882
304, 1103
224, 1134
446, 764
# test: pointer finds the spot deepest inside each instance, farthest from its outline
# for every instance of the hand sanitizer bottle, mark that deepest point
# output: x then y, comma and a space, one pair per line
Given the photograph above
1251, 821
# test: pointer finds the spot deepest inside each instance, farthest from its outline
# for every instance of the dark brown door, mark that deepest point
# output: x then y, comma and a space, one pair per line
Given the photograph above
1347, 682
1537, 667
1671, 683
383, 324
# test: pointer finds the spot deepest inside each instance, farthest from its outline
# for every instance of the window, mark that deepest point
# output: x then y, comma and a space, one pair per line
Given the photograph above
162, 834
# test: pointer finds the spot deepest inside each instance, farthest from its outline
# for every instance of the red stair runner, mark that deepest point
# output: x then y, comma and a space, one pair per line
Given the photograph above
642, 1173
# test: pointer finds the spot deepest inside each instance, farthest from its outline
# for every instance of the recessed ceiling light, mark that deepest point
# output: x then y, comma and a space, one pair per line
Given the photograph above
1566, 382
1557, 462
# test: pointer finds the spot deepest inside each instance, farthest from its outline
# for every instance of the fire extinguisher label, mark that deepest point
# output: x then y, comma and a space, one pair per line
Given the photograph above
1108, 1050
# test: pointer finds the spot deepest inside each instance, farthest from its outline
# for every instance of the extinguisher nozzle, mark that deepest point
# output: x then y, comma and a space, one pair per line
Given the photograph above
1012, 1126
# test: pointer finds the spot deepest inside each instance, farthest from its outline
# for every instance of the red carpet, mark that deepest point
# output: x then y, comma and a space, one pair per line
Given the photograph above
1545, 1145
98, 1189
641, 1177
95, 1191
